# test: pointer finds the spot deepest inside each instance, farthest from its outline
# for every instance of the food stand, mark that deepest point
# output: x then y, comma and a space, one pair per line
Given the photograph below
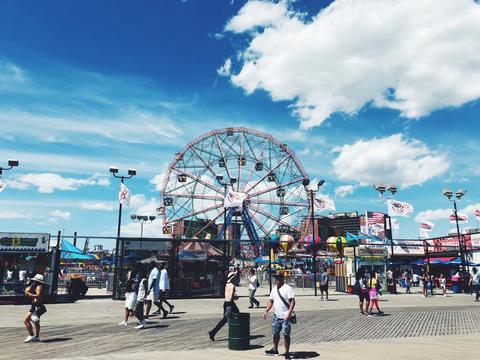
22, 255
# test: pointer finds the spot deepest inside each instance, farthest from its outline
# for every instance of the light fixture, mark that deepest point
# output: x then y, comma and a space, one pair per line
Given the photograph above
132, 172
448, 193
12, 163
113, 169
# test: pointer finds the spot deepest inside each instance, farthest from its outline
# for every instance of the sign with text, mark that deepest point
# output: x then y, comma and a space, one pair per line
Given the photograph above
24, 242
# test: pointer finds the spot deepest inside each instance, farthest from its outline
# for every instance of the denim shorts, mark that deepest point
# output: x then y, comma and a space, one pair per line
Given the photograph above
278, 324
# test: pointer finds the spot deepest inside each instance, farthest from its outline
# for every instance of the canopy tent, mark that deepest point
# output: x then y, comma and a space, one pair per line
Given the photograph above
69, 252
197, 251
442, 261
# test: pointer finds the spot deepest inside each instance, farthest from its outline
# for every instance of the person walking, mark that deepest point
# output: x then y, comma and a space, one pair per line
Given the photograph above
252, 288
361, 286
130, 298
153, 289
283, 301
408, 283
164, 287
475, 282
324, 284
425, 281
443, 284
141, 298
374, 286
229, 306
35, 292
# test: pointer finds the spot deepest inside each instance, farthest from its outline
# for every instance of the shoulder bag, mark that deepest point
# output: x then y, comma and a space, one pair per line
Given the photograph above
293, 317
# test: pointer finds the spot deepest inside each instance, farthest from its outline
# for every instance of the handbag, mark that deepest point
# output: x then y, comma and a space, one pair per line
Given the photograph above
293, 317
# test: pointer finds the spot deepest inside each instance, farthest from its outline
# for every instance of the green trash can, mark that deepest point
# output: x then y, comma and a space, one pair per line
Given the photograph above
239, 331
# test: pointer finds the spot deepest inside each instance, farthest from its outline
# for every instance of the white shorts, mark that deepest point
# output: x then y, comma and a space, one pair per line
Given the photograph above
130, 299
153, 296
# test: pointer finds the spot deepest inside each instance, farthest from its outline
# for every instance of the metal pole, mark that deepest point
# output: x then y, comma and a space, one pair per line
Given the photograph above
355, 260
56, 265
462, 256
428, 256
393, 255
75, 239
270, 264
116, 275
314, 245
141, 229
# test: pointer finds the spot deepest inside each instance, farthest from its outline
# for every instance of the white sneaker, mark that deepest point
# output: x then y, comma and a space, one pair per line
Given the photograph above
29, 338
123, 323
141, 325
35, 339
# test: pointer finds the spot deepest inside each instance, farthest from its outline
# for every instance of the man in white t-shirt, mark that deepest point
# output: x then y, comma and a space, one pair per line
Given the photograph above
475, 282
153, 288
164, 287
283, 301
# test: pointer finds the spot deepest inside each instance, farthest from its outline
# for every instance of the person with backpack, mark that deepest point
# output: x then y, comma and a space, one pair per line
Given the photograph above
374, 287
252, 288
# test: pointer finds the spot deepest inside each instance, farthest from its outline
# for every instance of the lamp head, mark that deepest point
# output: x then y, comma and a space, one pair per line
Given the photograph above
392, 188
306, 182
320, 183
132, 172
448, 193
460, 193
152, 217
12, 163
133, 217
380, 188
113, 169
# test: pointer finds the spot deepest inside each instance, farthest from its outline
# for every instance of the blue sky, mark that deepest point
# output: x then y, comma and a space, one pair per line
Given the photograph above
362, 91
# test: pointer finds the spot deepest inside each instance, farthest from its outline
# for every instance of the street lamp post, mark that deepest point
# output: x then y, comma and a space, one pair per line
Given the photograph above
142, 219
311, 189
392, 189
116, 291
458, 195
11, 165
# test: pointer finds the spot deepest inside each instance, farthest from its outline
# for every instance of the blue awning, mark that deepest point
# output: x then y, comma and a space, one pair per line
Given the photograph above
71, 252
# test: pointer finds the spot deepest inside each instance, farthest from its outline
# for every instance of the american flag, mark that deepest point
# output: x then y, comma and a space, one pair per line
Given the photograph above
460, 217
477, 213
375, 218
427, 225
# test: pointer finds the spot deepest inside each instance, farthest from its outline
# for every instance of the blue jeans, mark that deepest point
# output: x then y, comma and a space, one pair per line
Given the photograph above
281, 325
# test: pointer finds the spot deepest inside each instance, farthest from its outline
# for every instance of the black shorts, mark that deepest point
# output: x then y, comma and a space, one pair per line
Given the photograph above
39, 309
324, 288
364, 295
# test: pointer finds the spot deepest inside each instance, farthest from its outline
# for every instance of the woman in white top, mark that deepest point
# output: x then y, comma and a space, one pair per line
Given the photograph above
443, 284
252, 288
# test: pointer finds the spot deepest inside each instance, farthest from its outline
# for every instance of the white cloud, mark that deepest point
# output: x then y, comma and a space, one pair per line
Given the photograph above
65, 215
444, 214
226, 68
344, 190
393, 159
10, 215
49, 182
256, 14
432, 215
412, 56
100, 206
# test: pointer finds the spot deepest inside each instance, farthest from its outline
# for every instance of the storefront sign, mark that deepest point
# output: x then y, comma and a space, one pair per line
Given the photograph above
406, 248
24, 242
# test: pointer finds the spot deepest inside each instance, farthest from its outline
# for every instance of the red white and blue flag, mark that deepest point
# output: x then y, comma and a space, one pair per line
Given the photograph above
477, 214
375, 218
460, 217
427, 225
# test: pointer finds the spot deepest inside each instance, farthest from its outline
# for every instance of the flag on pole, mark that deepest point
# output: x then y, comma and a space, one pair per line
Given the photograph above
399, 208
427, 225
3, 185
124, 195
460, 217
323, 203
477, 214
375, 218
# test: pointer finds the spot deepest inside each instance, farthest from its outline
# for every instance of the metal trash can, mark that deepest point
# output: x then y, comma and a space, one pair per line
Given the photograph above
239, 331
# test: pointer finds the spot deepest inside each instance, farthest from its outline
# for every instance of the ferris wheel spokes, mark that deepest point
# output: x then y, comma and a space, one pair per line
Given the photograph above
268, 173
261, 192
257, 160
198, 180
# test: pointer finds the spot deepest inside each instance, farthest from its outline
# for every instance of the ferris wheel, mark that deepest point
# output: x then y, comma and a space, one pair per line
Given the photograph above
240, 178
